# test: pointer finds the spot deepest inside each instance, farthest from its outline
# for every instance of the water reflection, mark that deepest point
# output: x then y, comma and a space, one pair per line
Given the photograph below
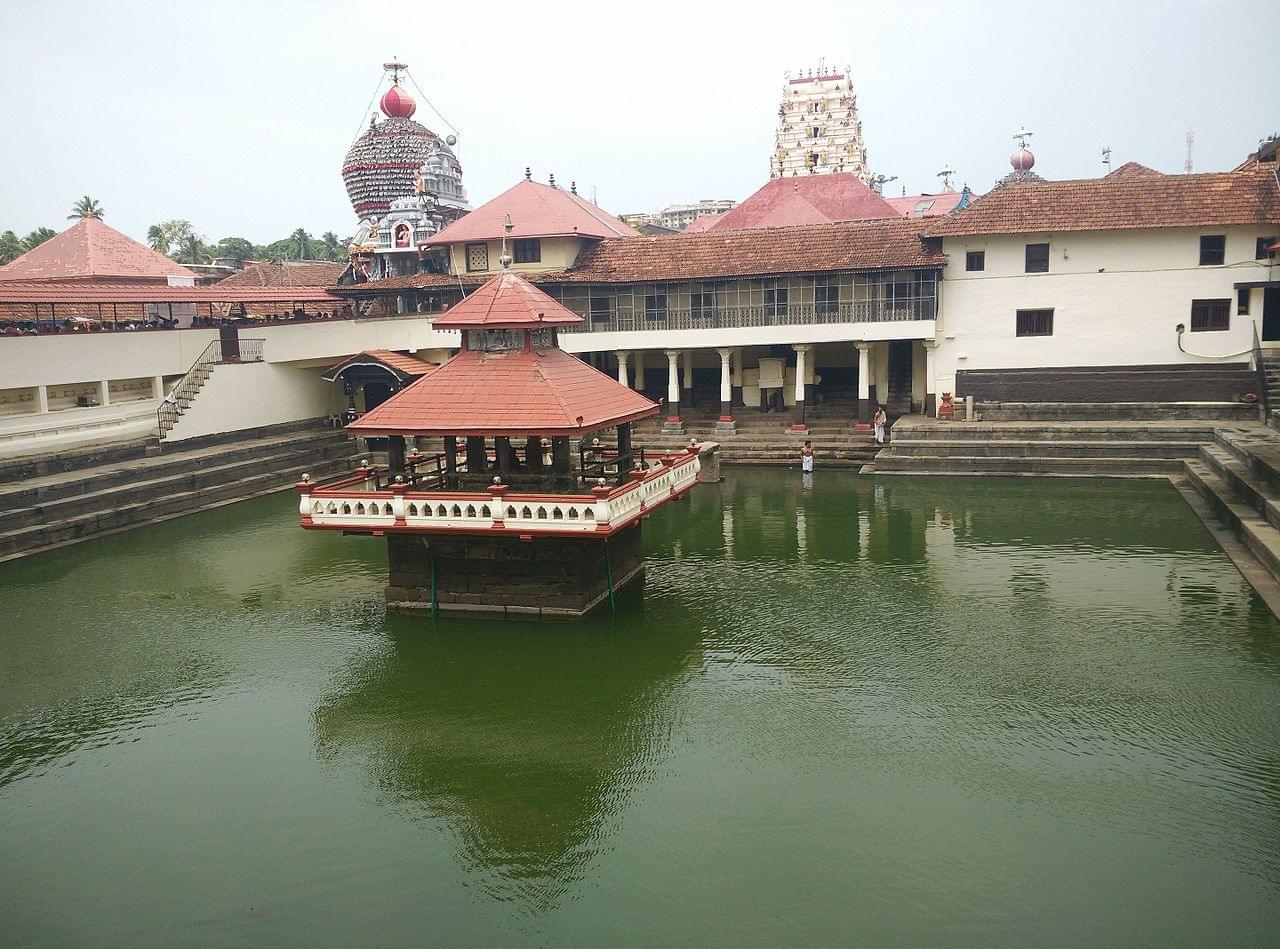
525, 740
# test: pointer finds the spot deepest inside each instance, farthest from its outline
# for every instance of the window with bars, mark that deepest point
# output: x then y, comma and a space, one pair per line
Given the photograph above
601, 309
1037, 258
1210, 315
702, 303
826, 295
1034, 323
775, 298
1242, 301
527, 250
1213, 249
975, 260
655, 306
477, 257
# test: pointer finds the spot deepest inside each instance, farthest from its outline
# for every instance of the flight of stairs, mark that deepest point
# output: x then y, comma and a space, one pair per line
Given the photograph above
1086, 449
50, 501
1271, 368
767, 439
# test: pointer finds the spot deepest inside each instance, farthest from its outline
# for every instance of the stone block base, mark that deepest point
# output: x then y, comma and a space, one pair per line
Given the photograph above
547, 576
726, 426
673, 426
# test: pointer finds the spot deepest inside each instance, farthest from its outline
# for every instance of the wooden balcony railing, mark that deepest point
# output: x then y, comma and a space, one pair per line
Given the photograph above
746, 316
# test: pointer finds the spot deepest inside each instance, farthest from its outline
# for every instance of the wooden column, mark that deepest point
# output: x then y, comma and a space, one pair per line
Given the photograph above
395, 454
476, 455
533, 453
502, 448
560, 461
450, 461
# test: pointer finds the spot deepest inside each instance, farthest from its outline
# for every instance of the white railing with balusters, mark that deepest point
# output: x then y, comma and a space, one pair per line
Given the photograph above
356, 504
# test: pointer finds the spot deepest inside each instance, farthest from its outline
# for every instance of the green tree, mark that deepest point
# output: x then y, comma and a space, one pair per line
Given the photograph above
38, 237
235, 248
86, 207
158, 238
276, 250
302, 248
11, 247
191, 250
331, 247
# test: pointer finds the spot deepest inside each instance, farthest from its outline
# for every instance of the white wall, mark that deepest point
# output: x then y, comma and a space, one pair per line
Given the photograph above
250, 395
1116, 295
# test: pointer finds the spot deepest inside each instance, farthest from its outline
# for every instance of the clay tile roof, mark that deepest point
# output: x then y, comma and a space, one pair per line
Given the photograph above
536, 210
892, 244
926, 205
286, 273
525, 392
1132, 168
506, 301
700, 224
1121, 202
407, 367
806, 199
89, 250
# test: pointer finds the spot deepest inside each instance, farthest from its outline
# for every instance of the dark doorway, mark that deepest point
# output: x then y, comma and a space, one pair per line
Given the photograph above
375, 393
229, 337
1271, 314
897, 395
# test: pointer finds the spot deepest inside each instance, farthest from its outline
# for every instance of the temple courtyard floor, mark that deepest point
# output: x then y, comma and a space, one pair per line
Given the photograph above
839, 709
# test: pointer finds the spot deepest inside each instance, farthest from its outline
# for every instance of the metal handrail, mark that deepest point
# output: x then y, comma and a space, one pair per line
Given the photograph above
1260, 368
170, 410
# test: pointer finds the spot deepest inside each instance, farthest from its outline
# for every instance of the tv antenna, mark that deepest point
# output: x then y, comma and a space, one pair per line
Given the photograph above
1189, 164
1106, 157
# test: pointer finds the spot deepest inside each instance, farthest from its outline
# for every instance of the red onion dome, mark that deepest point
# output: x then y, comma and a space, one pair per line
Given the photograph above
398, 104
1023, 160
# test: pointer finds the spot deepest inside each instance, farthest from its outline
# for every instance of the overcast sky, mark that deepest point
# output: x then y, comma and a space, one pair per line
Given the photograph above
236, 115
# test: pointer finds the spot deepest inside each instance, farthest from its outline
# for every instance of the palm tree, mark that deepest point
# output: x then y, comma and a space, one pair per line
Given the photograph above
302, 249
38, 237
86, 207
10, 247
158, 238
331, 246
191, 250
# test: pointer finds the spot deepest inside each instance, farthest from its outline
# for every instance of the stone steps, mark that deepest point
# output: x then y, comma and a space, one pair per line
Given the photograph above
71, 506
1124, 466
50, 487
979, 432
181, 475
1043, 448
1258, 534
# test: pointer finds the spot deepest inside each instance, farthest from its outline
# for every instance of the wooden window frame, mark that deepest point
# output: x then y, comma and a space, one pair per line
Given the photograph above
1217, 248
975, 261
656, 306
1242, 301
527, 250
1260, 251
1031, 315
1035, 266
466, 253
1213, 315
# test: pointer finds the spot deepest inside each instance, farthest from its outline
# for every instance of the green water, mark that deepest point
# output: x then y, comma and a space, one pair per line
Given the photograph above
933, 710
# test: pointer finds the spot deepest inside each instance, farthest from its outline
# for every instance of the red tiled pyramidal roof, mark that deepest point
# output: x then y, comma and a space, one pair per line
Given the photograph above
536, 210
1121, 202
285, 273
805, 199
1132, 168
89, 250
523, 392
506, 301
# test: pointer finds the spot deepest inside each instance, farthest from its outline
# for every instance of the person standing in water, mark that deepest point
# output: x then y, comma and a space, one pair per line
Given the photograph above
806, 457
880, 421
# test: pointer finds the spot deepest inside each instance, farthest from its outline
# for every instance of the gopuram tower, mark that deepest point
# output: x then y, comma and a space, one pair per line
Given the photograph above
405, 183
818, 127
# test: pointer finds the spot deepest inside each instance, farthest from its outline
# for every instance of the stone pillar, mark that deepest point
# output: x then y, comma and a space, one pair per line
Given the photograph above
688, 377
533, 453
930, 366
105, 388
673, 425
726, 425
450, 460
737, 377
157, 387
502, 449
639, 370
42, 399
864, 383
622, 355
560, 461
802, 354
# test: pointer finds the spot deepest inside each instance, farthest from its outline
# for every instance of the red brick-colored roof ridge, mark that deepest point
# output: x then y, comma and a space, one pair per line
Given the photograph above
525, 392
287, 273
806, 199
1249, 196
1132, 168
536, 210
90, 249
506, 301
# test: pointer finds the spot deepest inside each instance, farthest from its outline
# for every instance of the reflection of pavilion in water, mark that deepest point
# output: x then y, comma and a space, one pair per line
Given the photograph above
529, 762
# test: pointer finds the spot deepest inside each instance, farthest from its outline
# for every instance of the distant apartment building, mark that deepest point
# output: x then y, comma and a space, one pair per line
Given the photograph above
676, 217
